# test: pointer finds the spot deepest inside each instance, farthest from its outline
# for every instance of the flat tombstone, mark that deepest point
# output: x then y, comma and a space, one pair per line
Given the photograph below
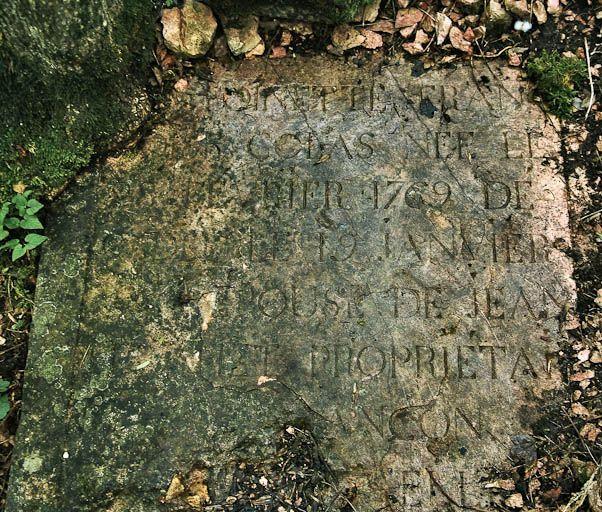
363, 252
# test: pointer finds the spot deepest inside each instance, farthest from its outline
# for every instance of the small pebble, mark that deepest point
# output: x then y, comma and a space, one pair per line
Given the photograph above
523, 26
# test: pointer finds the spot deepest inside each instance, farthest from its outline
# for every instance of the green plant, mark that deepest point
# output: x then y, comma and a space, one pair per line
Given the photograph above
18, 218
557, 79
4, 403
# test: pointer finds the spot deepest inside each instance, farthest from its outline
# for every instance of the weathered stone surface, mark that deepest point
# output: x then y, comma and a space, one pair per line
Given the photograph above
366, 253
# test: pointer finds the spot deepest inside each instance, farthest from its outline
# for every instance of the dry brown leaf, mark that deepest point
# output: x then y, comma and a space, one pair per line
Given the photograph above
580, 410
408, 17
590, 432
413, 48
578, 377
442, 27
278, 52
514, 501
383, 26
456, 37
372, 39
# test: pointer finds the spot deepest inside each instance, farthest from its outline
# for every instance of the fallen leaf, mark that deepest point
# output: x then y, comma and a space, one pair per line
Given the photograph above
458, 42
554, 7
442, 27
19, 188
506, 485
578, 377
408, 31
263, 379
413, 48
372, 39
383, 26
579, 410
590, 432
514, 501
552, 494
278, 52
286, 38
421, 37
175, 489
408, 17
514, 58
539, 10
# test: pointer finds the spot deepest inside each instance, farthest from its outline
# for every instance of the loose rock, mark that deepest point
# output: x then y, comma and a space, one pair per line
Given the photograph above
496, 18
540, 12
257, 51
241, 34
519, 8
189, 30
345, 37
368, 13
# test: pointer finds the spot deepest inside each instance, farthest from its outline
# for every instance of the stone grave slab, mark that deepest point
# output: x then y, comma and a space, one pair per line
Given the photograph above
369, 253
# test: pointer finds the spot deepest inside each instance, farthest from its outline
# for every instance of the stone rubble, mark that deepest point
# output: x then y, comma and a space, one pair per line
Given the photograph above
189, 31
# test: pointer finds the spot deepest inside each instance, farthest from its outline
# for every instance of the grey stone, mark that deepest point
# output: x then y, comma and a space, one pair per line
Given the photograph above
300, 243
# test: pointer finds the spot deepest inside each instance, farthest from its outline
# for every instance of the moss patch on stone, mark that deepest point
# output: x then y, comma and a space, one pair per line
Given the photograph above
72, 82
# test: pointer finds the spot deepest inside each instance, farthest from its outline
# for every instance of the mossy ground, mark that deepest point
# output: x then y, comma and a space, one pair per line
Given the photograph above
557, 79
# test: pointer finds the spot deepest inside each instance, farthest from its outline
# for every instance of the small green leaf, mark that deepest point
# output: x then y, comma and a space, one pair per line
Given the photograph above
4, 407
11, 223
11, 244
3, 234
33, 240
31, 222
18, 252
3, 213
19, 200
4, 385
33, 207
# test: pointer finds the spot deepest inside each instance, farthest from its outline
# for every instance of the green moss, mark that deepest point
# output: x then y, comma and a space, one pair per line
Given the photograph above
43, 162
345, 10
557, 79
70, 72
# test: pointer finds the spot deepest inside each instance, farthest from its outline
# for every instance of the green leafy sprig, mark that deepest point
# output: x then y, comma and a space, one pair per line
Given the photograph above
18, 221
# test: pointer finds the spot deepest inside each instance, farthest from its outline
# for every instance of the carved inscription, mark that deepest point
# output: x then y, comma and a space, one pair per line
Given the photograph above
371, 255
397, 266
